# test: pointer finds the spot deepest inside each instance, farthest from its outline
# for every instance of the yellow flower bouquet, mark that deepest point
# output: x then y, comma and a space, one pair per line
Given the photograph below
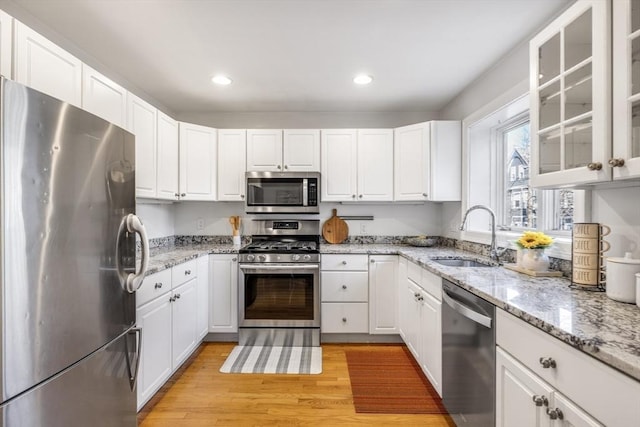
534, 240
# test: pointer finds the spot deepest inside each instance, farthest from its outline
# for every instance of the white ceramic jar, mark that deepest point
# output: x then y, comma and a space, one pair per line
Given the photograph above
621, 280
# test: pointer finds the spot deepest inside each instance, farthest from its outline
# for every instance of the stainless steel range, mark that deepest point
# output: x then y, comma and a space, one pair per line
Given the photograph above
279, 286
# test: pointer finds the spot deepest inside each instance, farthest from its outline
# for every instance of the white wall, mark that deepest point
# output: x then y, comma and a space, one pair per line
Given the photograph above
158, 219
619, 208
303, 120
389, 219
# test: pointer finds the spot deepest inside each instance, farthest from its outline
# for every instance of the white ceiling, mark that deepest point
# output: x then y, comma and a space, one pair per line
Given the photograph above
295, 55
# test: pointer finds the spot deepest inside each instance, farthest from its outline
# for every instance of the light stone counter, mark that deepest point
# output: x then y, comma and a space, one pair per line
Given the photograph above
589, 321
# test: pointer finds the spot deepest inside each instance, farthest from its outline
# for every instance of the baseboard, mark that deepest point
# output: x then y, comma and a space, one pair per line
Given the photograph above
221, 337
360, 338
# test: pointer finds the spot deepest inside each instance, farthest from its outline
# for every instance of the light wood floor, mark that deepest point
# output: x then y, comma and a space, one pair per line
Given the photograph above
202, 396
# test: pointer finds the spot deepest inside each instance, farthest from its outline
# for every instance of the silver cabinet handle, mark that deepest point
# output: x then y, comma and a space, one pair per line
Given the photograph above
286, 167
555, 414
353, 196
420, 298
424, 194
242, 196
171, 299
616, 163
373, 261
234, 259
176, 194
344, 320
344, 286
594, 166
540, 400
279, 167
187, 272
183, 194
360, 196
177, 296
158, 285
344, 262
547, 362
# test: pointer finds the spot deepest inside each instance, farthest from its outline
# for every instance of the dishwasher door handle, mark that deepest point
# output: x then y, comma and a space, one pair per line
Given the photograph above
467, 312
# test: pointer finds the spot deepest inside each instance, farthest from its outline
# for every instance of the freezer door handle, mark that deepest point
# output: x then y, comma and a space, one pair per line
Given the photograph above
133, 375
133, 281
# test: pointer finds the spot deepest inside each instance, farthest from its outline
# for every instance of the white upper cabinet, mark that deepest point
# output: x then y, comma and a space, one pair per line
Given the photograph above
44, 66
198, 157
570, 86
103, 97
626, 90
142, 123
264, 150
291, 150
231, 164
168, 163
6, 45
427, 161
375, 165
301, 150
339, 162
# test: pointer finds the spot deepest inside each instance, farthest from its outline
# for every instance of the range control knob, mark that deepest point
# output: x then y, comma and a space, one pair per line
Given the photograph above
295, 257
262, 258
250, 257
306, 257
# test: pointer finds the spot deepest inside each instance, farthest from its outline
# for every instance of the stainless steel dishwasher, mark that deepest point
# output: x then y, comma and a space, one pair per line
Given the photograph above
468, 357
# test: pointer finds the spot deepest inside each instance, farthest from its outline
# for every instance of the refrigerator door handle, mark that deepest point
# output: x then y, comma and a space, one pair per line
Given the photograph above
133, 376
134, 281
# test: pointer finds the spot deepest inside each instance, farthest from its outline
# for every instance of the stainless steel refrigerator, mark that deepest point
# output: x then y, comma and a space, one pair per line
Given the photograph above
69, 348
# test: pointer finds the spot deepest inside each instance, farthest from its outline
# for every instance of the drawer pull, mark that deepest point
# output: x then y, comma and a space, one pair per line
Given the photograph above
177, 296
344, 262
187, 272
344, 286
540, 400
172, 299
420, 298
344, 320
158, 285
547, 362
555, 414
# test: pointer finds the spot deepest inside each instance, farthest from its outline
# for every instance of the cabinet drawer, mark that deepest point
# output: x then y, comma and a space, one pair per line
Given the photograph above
345, 262
153, 286
184, 272
344, 286
432, 284
414, 272
583, 379
351, 317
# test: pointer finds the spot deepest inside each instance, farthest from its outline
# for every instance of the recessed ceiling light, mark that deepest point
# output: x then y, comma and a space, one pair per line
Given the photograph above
362, 79
221, 80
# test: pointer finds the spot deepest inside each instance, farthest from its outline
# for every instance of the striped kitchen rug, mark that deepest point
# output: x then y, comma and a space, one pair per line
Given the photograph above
273, 360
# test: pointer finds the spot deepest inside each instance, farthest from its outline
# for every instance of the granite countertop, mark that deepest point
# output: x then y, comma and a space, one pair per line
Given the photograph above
589, 321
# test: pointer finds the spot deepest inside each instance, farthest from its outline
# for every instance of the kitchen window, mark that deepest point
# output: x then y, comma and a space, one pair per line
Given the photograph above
497, 153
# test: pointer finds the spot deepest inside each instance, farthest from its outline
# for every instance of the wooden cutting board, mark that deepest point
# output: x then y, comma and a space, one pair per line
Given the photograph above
335, 230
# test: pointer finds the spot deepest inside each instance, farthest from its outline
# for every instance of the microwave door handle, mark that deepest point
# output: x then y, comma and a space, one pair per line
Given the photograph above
305, 192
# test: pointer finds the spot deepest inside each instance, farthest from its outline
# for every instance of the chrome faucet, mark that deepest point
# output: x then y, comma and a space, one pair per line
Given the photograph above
494, 253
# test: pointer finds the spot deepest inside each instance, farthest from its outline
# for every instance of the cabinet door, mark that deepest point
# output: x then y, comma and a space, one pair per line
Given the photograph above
383, 291
103, 97
44, 66
431, 339
203, 297
626, 90
264, 150
411, 314
572, 415
339, 163
184, 322
301, 150
445, 161
198, 148
411, 162
168, 150
517, 390
232, 148
155, 364
375, 165
142, 123
6, 45
571, 102
401, 284
223, 295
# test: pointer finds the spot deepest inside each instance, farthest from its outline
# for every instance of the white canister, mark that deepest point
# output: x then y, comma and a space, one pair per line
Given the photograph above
621, 279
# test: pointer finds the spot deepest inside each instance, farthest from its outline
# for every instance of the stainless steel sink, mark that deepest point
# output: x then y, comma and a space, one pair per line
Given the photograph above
457, 262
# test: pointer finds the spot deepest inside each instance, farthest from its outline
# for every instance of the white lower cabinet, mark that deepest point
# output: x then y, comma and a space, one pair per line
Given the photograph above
155, 364
223, 293
573, 388
383, 294
167, 311
420, 319
202, 323
344, 294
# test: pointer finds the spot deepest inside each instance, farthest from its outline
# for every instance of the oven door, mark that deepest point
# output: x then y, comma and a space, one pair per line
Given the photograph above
279, 295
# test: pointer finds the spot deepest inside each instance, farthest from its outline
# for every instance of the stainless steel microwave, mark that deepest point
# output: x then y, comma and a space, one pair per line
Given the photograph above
282, 192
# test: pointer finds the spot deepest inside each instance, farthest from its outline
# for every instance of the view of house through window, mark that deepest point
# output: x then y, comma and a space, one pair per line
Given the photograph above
525, 207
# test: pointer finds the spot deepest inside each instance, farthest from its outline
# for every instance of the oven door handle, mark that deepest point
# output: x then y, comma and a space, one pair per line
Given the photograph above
279, 266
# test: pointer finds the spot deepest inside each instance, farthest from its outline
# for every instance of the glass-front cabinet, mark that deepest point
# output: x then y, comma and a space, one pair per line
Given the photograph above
571, 103
626, 89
